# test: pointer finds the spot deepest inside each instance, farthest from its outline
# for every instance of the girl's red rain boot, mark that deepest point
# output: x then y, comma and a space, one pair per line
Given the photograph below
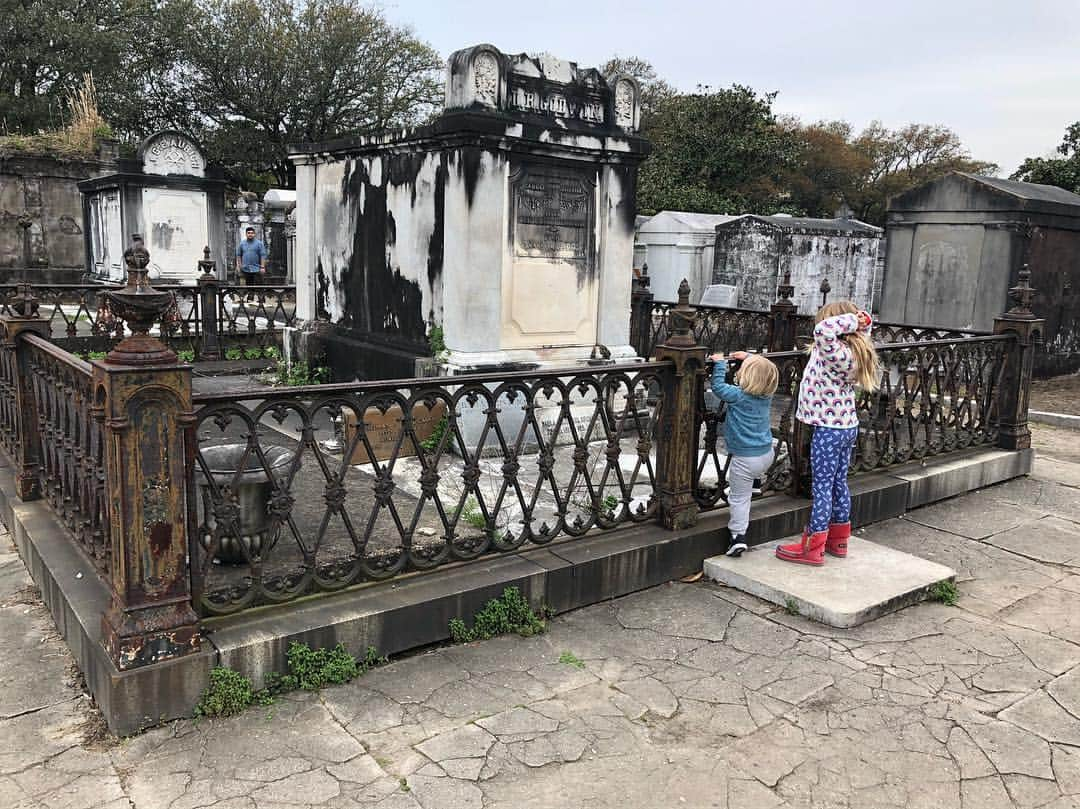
810, 551
839, 534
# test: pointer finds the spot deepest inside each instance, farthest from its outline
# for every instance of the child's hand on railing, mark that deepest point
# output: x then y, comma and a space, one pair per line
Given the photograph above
738, 355
865, 321
718, 357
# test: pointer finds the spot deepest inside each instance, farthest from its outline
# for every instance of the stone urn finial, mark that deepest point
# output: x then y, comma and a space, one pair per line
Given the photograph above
207, 265
1022, 295
140, 306
681, 319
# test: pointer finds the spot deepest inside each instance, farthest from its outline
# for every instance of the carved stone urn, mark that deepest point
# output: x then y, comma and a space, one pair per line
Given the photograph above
140, 306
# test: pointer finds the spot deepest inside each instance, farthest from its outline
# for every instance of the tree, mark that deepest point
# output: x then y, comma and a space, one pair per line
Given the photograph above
716, 151
48, 46
1064, 171
828, 167
251, 77
904, 158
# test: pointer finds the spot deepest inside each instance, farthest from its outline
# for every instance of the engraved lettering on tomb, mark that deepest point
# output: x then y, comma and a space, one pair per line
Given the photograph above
486, 78
553, 217
173, 154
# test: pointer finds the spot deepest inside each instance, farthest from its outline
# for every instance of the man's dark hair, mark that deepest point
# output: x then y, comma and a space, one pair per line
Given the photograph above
249, 230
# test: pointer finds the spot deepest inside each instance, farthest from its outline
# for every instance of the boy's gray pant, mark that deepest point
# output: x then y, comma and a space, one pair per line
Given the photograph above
740, 476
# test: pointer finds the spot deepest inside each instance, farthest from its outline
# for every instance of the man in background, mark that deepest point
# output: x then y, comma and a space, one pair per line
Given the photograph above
251, 258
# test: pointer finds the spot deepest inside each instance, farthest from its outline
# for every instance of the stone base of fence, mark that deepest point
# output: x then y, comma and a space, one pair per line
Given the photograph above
416, 611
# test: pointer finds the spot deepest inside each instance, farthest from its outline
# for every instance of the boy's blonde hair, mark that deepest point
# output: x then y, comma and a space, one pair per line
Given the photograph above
757, 376
867, 365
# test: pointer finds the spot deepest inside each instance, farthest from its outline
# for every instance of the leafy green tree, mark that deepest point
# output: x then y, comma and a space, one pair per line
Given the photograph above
1064, 171
48, 46
251, 77
716, 151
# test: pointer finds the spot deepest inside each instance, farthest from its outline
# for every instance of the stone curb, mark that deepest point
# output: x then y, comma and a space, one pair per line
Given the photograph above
1064, 420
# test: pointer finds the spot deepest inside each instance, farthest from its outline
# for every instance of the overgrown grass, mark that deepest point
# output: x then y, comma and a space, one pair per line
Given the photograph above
508, 614
78, 139
945, 592
230, 692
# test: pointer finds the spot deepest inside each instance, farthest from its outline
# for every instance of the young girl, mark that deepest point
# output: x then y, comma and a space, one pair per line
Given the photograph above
842, 358
747, 434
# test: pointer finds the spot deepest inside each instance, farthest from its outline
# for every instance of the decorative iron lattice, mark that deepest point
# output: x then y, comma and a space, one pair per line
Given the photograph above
328, 486
255, 310
72, 468
257, 314
936, 396
715, 328
10, 438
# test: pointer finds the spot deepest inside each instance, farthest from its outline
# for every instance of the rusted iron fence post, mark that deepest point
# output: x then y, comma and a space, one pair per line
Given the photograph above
1015, 389
22, 439
782, 323
679, 427
641, 303
145, 398
209, 301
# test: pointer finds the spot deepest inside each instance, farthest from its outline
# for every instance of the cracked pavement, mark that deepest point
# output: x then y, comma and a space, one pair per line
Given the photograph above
688, 695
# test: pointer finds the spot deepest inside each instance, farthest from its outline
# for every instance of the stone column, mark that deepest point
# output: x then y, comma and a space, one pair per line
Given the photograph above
145, 397
641, 302
782, 324
679, 428
27, 458
1016, 376
209, 299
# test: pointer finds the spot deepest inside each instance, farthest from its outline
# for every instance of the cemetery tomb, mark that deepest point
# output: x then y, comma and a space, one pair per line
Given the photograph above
508, 223
753, 253
168, 193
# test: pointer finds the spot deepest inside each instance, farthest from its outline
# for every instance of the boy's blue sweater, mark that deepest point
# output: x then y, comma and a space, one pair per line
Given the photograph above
747, 428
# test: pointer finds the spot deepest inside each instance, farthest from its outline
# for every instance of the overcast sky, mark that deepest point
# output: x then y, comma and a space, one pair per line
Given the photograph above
1005, 75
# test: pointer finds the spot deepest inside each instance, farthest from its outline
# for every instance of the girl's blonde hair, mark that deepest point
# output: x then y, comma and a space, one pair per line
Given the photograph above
757, 376
867, 371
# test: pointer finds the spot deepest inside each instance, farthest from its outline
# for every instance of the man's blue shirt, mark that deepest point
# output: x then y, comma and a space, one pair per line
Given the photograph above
251, 254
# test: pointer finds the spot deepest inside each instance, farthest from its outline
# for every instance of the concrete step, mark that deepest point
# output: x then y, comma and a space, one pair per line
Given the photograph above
871, 581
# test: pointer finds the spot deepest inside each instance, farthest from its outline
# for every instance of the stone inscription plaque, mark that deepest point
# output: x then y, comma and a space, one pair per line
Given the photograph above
384, 429
553, 215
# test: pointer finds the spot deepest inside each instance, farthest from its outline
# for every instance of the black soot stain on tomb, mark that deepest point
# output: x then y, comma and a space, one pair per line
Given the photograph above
376, 297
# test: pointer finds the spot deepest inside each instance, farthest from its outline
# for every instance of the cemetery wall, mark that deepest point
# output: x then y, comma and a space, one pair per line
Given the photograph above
41, 216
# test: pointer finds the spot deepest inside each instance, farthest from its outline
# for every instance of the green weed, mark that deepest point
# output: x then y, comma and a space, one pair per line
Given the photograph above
186, 355
510, 613
300, 374
233, 354
230, 692
945, 592
571, 659
272, 353
431, 443
437, 342
791, 607
254, 353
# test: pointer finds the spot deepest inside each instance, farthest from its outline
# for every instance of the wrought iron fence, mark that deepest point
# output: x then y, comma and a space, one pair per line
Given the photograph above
241, 315
72, 465
717, 328
10, 435
313, 489
936, 396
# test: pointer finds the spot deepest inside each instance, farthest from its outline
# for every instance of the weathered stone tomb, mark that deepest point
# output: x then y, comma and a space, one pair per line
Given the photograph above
508, 222
168, 193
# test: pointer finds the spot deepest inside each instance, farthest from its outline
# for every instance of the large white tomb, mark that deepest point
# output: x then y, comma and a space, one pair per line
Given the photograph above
167, 193
508, 224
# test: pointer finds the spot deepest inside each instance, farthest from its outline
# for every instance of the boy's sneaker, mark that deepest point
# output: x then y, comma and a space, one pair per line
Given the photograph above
736, 545
757, 486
